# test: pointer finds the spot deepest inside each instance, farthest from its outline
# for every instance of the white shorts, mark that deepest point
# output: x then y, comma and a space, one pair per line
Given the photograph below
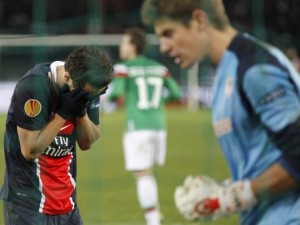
143, 149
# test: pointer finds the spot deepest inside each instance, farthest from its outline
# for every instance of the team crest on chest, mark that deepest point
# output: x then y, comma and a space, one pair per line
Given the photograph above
32, 107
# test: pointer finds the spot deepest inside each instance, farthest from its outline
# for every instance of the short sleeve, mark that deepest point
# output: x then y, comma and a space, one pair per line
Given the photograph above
32, 104
120, 70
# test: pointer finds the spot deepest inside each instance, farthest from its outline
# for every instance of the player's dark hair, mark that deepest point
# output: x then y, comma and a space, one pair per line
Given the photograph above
89, 64
182, 11
137, 38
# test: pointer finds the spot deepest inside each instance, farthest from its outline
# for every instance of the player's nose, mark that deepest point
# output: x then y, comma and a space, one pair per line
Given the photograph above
165, 46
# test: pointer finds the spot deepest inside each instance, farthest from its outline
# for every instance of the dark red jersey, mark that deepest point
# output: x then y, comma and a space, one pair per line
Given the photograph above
47, 184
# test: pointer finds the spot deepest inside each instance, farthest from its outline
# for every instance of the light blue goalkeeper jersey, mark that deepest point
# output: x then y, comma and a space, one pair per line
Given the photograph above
256, 93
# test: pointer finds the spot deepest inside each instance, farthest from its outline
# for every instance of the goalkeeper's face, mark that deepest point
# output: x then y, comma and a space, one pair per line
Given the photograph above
186, 44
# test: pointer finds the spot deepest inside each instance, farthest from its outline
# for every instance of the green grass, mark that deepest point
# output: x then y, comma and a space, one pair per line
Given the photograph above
106, 192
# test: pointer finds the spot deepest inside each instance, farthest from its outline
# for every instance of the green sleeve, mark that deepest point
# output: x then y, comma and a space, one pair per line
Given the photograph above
173, 88
118, 88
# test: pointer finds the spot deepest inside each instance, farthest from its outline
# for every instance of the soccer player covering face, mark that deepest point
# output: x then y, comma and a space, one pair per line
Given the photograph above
255, 113
141, 81
54, 106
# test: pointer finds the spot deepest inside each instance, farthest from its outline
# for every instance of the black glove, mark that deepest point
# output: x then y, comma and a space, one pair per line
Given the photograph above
91, 97
72, 103
81, 113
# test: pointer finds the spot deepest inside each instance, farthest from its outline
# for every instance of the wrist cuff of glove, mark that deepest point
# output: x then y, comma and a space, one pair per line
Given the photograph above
237, 197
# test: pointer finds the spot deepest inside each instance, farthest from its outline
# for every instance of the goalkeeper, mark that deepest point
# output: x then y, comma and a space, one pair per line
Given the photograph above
255, 113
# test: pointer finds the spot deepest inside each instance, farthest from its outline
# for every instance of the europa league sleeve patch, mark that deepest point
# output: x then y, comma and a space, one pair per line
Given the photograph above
32, 107
271, 96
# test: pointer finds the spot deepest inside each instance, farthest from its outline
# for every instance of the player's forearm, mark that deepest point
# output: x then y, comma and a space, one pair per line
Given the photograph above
87, 132
274, 181
34, 143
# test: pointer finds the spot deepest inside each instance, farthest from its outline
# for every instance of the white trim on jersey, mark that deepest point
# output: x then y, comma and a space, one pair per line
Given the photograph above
53, 67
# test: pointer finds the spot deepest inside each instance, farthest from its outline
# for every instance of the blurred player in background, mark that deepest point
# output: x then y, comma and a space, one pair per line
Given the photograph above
141, 81
54, 106
255, 112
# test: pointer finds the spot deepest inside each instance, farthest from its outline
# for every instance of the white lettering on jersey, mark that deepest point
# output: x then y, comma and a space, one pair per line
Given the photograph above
57, 152
135, 71
59, 140
146, 101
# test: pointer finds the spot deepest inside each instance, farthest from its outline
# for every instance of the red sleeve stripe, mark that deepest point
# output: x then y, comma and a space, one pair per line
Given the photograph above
120, 74
167, 74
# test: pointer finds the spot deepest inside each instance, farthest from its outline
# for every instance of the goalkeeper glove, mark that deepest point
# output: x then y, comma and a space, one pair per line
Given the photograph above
203, 198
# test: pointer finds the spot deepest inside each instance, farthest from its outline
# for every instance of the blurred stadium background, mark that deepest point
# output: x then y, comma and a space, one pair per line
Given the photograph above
34, 31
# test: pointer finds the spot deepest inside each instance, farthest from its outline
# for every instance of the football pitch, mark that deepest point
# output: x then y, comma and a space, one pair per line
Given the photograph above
106, 192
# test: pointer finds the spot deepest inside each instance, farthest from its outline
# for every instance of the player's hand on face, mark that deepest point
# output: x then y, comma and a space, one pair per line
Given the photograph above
96, 94
72, 103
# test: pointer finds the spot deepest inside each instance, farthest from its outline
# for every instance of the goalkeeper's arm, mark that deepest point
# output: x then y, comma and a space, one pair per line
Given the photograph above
203, 198
275, 181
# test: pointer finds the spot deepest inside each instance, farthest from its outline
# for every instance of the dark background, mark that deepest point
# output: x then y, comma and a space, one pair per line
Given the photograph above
280, 18
276, 21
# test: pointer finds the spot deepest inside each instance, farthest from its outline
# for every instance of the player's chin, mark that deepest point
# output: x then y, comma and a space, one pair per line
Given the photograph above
187, 64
